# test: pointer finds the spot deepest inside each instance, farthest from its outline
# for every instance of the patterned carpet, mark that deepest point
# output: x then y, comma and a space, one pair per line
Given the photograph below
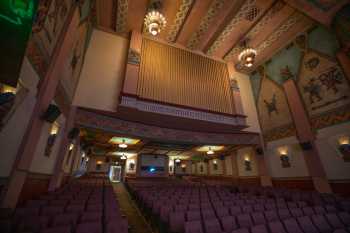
136, 221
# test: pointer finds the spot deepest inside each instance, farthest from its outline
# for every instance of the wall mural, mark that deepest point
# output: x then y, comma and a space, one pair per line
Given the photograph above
274, 114
322, 84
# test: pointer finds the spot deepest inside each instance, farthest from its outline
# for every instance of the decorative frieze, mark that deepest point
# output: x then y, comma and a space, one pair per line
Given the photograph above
134, 57
164, 109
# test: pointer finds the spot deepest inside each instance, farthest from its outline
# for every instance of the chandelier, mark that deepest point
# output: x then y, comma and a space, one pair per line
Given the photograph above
154, 22
247, 55
123, 145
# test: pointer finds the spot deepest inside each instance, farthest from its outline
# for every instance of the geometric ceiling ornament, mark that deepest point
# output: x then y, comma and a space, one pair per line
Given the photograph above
122, 15
242, 13
179, 19
256, 29
288, 24
214, 10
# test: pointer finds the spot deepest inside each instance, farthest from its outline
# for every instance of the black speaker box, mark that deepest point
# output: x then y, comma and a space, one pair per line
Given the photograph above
259, 151
73, 133
51, 114
306, 145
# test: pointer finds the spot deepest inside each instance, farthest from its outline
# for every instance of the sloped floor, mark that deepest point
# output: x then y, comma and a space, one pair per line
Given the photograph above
135, 219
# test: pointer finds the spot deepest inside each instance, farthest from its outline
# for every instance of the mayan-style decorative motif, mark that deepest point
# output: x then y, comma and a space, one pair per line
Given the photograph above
245, 9
257, 28
271, 106
312, 63
280, 132
46, 31
331, 118
234, 84
324, 86
214, 9
179, 19
286, 73
97, 121
301, 42
134, 57
122, 13
288, 24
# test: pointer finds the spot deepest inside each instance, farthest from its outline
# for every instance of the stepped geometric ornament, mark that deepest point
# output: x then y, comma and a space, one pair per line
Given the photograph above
154, 22
247, 56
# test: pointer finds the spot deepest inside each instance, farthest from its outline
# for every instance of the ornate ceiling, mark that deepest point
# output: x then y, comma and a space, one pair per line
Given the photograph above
99, 143
216, 28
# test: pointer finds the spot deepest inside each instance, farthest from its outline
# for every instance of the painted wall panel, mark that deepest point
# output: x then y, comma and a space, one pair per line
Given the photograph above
102, 75
297, 163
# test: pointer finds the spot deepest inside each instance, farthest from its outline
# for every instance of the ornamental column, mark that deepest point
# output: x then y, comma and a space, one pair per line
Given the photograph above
46, 94
305, 135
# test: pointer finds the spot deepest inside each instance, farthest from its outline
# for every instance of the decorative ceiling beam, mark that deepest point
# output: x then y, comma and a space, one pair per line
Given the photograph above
281, 37
104, 12
175, 19
198, 11
136, 13
274, 17
248, 14
217, 24
321, 11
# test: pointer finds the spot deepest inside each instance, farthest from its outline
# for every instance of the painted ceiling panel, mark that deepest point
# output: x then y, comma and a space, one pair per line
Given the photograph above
285, 63
327, 45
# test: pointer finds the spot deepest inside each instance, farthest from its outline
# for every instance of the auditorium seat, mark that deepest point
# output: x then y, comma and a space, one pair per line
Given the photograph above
94, 227
284, 214
334, 220
60, 229
212, 226
193, 227
321, 223
65, 219
292, 226
244, 220
241, 230
345, 218
276, 227
259, 229
177, 221
193, 215
258, 218
306, 225
228, 223
271, 215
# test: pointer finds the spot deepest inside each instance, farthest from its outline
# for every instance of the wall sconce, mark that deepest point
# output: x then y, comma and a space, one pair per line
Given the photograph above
71, 147
215, 164
132, 165
247, 163
284, 157
344, 147
51, 139
99, 162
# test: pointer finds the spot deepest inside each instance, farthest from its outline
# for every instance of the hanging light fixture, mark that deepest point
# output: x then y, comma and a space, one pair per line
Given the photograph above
154, 20
123, 157
123, 144
210, 151
247, 55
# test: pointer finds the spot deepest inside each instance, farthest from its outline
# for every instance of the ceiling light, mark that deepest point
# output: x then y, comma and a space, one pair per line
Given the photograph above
123, 157
123, 145
247, 55
210, 151
177, 160
154, 22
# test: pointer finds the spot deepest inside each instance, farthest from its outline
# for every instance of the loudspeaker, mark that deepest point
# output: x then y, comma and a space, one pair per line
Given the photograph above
259, 151
51, 114
73, 133
306, 145
222, 157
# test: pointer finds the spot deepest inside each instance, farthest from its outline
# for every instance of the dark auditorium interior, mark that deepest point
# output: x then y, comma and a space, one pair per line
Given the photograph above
174, 116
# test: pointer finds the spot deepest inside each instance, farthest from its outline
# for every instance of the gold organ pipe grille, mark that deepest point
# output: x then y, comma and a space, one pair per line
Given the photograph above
176, 76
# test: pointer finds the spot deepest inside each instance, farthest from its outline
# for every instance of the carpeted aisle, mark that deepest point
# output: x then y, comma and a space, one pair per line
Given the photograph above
135, 219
